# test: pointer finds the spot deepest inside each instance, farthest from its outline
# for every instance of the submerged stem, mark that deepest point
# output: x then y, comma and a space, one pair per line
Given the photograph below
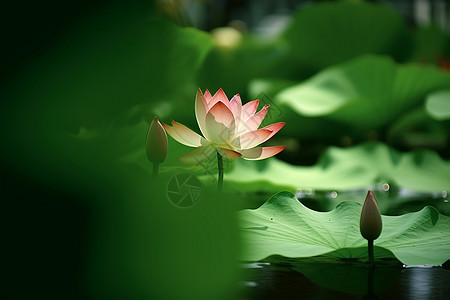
155, 169
370, 291
370, 249
220, 168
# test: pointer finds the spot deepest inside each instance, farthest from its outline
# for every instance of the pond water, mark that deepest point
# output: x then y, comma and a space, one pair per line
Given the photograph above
288, 281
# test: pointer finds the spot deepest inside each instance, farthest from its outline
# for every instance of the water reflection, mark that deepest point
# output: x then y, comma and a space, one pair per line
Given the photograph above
426, 283
370, 294
291, 280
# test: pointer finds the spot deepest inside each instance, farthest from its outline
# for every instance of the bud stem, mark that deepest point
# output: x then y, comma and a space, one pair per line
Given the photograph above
220, 167
155, 169
370, 249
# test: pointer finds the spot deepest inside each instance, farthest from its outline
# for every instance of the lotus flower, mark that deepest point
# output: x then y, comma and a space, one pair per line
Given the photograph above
228, 127
370, 221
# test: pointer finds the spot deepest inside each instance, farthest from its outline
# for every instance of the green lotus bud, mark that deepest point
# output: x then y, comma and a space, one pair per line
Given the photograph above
370, 223
156, 143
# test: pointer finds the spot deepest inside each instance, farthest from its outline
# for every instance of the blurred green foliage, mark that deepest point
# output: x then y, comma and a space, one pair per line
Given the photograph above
325, 34
438, 105
352, 168
370, 95
64, 127
367, 93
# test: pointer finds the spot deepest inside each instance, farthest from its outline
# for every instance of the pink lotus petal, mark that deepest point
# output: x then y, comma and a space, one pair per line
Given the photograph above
274, 128
236, 108
251, 139
222, 114
219, 96
230, 154
220, 126
236, 99
187, 134
200, 110
174, 134
249, 110
207, 96
198, 155
261, 152
254, 121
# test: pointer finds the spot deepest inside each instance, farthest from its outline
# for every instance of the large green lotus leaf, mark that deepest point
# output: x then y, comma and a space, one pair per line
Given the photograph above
438, 105
368, 92
283, 226
346, 168
328, 33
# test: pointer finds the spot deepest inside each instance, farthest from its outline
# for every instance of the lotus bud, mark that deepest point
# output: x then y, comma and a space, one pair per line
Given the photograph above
156, 142
370, 223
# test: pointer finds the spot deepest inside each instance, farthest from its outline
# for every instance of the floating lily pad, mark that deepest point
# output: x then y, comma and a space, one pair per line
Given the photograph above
283, 226
368, 92
346, 168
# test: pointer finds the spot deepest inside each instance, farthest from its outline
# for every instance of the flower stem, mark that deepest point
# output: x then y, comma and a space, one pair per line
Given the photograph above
155, 169
370, 248
220, 167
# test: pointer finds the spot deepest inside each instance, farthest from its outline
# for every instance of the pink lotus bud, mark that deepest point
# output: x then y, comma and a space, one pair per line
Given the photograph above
370, 223
156, 143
